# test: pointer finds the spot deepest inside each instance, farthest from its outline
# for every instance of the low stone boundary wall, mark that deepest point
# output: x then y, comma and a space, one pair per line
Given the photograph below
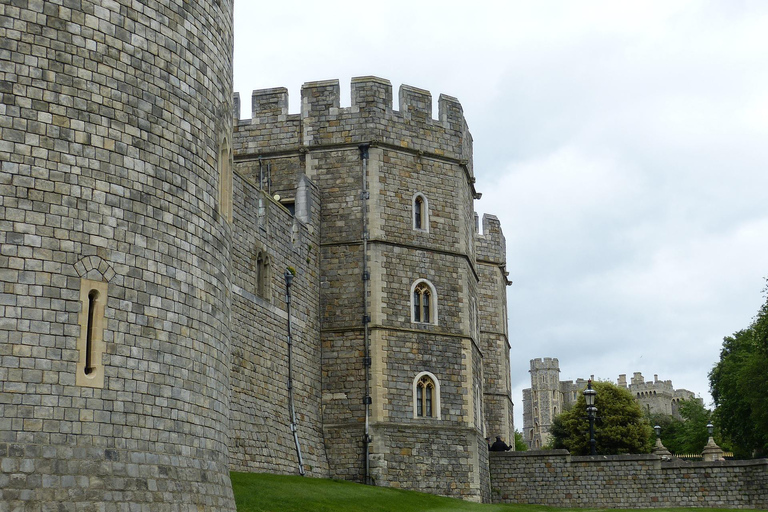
556, 478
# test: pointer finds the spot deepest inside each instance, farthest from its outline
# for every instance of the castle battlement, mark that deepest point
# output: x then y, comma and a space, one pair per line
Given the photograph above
545, 363
491, 246
371, 117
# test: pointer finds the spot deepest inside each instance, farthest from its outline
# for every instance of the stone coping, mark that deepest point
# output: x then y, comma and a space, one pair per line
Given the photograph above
675, 463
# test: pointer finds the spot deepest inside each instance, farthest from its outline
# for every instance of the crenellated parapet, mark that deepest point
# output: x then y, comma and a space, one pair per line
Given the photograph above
545, 363
491, 246
371, 117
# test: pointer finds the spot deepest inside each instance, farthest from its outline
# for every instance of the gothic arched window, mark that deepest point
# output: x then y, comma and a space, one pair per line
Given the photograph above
423, 303
426, 396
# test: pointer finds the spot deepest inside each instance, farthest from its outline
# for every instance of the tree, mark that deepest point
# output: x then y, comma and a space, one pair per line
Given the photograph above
621, 426
739, 386
687, 435
520, 445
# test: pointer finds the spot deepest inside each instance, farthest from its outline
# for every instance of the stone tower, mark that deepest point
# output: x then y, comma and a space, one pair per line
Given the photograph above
493, 334
115, 129
542, 402
410, 331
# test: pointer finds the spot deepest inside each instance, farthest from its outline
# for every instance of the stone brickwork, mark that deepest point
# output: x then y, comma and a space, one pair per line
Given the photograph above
145, 234
555, 478
493, 333
370, 255
261, 438
112, 121
543, 401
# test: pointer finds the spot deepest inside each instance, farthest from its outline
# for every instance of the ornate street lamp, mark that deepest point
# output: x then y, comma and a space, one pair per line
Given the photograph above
589, 398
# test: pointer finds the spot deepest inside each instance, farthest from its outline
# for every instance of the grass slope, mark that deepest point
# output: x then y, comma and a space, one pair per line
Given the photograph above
262, 492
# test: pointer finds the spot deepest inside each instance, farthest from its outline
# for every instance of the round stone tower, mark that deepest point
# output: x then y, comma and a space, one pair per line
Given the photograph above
115, 129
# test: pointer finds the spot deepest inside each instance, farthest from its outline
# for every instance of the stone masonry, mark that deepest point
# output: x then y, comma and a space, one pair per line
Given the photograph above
555, 478
115, 121
368, 162
145, 233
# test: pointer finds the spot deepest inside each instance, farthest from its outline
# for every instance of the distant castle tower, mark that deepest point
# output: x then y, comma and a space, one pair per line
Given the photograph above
115, 129
548, 396
542, 402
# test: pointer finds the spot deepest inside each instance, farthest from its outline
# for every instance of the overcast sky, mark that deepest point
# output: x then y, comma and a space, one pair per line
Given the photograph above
623, 146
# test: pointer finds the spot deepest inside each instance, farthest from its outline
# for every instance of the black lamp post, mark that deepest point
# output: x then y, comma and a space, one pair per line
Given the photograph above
657, 428
589, 398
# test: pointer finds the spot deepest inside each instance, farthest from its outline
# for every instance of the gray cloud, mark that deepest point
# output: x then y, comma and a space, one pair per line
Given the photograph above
622, 145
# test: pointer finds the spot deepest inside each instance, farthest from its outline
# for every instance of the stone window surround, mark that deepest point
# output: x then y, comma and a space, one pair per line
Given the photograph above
225, 180
420, 212
94, 376
432, 302
436, 413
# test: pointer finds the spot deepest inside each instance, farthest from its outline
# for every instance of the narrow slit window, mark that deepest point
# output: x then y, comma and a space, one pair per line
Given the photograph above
93, 295
420, 213
225, 181
90, 344
417, 208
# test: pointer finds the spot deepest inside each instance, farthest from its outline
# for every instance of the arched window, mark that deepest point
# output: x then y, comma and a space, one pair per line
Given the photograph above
426, 396
423, 303
420, 212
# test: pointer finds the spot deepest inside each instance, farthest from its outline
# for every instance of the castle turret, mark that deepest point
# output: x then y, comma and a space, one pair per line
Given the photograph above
493, 333
115, 337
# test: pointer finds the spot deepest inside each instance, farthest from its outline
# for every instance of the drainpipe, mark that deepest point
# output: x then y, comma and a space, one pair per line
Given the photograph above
366, 316
288, 281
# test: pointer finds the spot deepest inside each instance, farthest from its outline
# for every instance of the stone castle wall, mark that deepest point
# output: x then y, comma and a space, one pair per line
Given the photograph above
555, 478
656, 396
267, 241
491, 323
408, 153
143, 335
112, 119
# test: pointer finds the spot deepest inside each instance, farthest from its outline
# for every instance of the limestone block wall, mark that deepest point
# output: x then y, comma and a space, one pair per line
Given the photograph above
555, 478
261, 438
409, 154
113, 116
492, 324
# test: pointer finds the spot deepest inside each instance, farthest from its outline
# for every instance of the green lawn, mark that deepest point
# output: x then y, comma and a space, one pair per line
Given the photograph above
262, 492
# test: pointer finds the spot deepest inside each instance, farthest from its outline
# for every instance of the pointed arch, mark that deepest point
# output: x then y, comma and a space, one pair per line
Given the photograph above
423, 302
426, 396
